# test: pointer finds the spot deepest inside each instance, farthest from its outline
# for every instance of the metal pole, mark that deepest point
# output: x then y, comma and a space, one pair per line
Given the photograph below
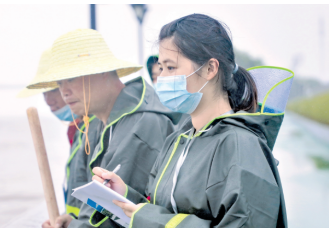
140, 10
93, 16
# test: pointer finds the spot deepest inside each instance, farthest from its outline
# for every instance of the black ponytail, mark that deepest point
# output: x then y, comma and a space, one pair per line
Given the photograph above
200, 38
241, 90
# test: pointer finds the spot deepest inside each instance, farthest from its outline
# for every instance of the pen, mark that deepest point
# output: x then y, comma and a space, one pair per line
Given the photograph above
114, 171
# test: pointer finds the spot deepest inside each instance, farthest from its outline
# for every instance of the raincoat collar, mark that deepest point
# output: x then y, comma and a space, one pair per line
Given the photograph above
265, 126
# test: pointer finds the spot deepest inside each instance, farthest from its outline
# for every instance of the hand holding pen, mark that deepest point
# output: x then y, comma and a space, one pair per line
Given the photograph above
116, 183
114, 171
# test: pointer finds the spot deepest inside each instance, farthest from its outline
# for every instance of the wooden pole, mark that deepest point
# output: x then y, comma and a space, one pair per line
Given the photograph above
40, 149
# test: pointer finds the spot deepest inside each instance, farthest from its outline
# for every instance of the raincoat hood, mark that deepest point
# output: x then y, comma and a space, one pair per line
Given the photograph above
273, 87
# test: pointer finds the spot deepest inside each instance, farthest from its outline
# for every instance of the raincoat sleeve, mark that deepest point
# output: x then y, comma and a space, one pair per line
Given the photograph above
241, 192
135, 196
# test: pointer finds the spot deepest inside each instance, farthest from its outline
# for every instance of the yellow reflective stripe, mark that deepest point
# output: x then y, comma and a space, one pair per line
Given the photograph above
257, 67
75, 150
72, 155
177, 219
99, 223
71, 209
163, 171
126, 193
133, 215
115, 121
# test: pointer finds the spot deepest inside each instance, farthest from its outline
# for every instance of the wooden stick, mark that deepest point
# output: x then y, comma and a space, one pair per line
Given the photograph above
40, 149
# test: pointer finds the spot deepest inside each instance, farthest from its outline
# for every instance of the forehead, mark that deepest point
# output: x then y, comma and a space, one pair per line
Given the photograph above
53, 92
168, 50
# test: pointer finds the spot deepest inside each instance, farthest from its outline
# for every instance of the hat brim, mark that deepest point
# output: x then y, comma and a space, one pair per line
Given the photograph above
30, 92
123, 68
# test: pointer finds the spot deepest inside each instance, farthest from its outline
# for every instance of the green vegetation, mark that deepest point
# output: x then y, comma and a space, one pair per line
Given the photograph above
320, 162
316, 107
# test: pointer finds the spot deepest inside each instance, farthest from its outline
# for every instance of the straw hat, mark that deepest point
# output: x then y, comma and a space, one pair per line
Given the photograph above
43, 67
79, 53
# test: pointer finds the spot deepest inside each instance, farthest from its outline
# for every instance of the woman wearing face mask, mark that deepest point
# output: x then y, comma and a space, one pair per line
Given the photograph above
218, 169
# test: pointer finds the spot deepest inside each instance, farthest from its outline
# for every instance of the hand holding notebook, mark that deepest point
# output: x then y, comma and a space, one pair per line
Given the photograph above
100, 197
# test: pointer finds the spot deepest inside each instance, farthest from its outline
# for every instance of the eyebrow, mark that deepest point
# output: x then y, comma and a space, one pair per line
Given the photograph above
167, 60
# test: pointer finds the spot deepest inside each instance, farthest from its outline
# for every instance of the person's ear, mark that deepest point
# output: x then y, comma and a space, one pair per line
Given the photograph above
212, 69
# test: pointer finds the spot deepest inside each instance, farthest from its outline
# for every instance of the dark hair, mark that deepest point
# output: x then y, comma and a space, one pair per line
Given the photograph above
149, 64
200, 38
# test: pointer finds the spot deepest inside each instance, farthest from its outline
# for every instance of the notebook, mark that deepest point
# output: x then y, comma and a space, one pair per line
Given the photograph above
100, 198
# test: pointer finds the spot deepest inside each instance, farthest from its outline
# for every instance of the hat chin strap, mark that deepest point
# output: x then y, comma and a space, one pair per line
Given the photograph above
85, 117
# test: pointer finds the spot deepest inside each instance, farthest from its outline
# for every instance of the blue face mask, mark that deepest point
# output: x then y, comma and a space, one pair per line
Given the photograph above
65, 114
173, 94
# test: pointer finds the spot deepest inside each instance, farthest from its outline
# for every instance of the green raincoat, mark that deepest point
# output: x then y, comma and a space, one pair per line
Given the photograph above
229, 177
133, 137
77, 164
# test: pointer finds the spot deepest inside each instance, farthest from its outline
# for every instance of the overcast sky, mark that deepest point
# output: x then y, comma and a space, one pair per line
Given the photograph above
281, 35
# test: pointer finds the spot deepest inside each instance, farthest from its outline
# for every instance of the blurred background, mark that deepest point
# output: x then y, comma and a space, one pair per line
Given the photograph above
289, 36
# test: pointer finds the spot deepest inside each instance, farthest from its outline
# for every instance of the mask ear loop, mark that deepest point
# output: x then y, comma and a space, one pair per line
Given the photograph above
85, 117
203, 86
195, 72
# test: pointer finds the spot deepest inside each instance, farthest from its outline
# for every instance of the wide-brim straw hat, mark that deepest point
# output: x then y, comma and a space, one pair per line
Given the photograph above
43, 67
79, 53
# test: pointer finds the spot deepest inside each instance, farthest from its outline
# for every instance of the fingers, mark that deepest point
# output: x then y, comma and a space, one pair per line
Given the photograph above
98, 171
119, 203
97, 178
63, 221
67, 220
124, 207
58, 222
103, 173
116, 183
109, 175
100, 180
128, 209
46, 224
